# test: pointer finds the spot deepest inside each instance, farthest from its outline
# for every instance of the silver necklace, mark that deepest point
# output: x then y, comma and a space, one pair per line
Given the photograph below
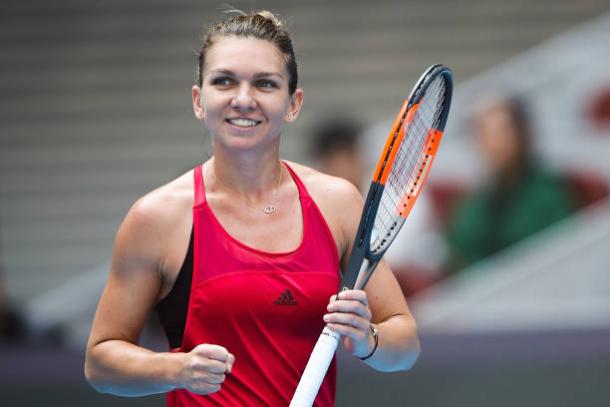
269, 208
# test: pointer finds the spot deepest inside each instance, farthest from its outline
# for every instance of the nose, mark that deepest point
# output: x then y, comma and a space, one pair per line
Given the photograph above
244, 99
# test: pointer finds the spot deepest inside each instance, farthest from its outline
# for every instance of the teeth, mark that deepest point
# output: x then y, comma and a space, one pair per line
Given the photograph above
243, 122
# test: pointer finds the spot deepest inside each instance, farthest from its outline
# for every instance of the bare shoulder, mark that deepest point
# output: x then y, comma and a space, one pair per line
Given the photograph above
156, 219
339, 201
164, 205
323, 187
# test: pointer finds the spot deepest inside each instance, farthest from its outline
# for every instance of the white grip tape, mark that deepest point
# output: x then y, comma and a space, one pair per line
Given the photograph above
316, 368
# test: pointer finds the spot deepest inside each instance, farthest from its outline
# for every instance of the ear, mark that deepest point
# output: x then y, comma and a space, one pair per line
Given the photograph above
198, 102
296, 103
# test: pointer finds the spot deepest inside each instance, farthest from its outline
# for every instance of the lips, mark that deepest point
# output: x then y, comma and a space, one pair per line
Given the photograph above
243, 122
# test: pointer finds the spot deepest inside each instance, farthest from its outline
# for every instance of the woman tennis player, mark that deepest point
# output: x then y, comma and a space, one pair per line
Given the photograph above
241, 255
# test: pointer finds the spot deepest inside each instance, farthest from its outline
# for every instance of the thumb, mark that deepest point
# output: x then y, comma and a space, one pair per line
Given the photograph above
230, 362
348, 344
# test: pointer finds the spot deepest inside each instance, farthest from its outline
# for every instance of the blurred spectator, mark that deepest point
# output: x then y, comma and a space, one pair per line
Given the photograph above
417, 254
336, 148
521, 196
12, 326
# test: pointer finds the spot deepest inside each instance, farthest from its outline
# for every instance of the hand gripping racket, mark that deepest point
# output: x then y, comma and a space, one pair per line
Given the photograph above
400, 174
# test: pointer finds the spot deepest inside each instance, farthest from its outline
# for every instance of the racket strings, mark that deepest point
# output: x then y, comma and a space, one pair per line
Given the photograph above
426, 118
408, 170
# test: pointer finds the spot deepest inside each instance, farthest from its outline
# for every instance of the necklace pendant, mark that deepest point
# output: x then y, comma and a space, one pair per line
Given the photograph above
269, 209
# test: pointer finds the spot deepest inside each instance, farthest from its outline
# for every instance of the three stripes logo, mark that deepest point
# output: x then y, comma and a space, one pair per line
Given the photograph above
285, 298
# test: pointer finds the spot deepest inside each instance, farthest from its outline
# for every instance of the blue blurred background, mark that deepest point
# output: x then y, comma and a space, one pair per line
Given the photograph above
96, 111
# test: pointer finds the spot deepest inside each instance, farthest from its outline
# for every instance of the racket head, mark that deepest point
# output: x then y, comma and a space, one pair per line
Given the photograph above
407, 157
400, 173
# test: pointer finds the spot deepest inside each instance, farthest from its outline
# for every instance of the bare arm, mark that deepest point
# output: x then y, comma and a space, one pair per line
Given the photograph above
398, 347
115, 363
382, 303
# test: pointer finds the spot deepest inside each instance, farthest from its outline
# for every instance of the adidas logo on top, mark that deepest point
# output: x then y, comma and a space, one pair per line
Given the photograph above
285, 298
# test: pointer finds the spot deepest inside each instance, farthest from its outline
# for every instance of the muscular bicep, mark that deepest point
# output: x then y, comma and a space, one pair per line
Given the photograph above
134, 280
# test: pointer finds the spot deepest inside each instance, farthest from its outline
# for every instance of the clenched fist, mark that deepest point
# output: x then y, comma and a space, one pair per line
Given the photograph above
205, 368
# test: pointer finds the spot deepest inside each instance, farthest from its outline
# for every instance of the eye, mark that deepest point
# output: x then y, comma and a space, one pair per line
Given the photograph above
222, 81
266, 84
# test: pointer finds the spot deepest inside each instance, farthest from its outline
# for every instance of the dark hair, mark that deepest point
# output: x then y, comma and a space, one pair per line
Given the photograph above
518, 109
262, 25
335, 135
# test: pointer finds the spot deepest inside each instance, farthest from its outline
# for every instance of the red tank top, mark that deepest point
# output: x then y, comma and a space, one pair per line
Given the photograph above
265, 308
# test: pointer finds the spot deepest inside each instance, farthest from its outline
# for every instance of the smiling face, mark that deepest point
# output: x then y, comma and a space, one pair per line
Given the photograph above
244, 99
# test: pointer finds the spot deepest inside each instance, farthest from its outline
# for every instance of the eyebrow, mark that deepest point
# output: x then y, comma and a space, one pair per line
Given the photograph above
257, 75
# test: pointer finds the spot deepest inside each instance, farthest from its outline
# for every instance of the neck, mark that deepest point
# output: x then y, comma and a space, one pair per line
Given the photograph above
251, 176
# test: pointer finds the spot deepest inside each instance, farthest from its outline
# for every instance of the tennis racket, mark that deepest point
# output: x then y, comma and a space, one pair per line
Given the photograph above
398, 179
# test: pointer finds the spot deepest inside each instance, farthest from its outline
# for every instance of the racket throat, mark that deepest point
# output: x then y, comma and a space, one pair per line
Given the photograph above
365, 273
372, 203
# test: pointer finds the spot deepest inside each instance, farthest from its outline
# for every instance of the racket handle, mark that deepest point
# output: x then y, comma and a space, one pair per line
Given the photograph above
316, 368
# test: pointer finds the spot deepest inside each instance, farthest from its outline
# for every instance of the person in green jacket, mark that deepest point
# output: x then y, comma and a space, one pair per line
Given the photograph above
522, 196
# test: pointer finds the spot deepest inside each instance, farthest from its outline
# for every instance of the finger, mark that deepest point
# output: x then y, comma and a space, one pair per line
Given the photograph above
349, 331
356, 295
332, 298
351, 320
213, 378
350, 307
215, 352
215, 366
204, 364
